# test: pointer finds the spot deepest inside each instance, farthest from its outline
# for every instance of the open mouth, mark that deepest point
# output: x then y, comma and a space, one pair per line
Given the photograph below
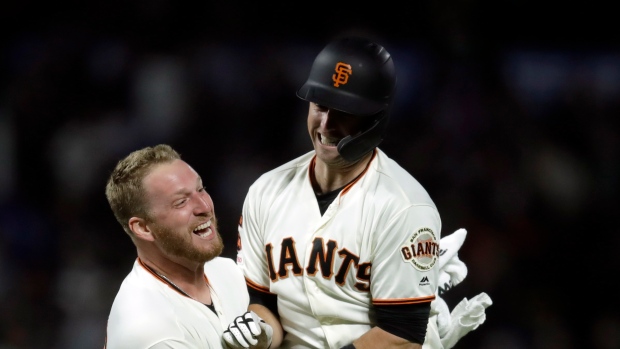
203, 230
329, 141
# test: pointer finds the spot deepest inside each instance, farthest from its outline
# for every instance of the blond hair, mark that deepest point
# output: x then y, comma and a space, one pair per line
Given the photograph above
124, 189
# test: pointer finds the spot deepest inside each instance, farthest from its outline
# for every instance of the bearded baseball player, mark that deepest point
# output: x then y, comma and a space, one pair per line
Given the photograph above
180, 293
339, 246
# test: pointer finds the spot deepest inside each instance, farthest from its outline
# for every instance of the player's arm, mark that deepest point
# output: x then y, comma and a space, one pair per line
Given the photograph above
404, 324
265, 304
252, 260
273, 321
378, 338
398, 326
259, 327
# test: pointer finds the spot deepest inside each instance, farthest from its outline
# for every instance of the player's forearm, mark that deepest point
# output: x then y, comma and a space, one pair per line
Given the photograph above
378, 338
272, 320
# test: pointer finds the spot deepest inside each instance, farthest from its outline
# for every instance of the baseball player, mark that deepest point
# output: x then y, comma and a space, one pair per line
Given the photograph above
339, 246
179, 294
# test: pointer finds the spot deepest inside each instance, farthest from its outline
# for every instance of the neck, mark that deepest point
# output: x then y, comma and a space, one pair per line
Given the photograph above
328, 178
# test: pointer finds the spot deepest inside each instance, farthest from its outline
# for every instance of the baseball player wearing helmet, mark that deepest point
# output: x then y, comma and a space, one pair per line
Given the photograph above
179, 294
339, 246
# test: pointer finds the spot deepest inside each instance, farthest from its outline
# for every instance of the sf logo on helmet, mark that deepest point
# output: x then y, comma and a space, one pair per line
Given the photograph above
343, 71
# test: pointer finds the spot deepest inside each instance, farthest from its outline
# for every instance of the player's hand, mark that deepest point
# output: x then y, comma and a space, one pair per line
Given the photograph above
248, 331
466, 317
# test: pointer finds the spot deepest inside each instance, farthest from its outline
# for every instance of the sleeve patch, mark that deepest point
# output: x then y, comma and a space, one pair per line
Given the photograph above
422, 250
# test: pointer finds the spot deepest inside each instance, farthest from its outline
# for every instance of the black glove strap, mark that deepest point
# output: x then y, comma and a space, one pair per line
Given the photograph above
348, 346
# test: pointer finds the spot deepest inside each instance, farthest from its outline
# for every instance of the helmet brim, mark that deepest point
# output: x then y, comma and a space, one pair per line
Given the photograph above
343, 101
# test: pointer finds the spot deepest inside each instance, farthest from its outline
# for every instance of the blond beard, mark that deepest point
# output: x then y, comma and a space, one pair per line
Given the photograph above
178, 245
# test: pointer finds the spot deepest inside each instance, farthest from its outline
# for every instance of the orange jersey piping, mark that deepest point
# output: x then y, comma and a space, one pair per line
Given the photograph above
401, 301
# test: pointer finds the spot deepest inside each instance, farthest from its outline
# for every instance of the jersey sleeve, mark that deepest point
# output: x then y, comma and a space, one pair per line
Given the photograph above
405, 256
251, 255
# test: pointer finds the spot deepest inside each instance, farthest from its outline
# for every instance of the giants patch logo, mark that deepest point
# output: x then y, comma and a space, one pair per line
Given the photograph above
422, 251
343, 71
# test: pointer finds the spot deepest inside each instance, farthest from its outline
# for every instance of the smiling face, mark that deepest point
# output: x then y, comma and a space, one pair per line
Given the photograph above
181, 214
327, 127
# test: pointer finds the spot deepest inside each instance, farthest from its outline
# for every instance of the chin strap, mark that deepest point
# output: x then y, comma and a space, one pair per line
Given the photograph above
352, 148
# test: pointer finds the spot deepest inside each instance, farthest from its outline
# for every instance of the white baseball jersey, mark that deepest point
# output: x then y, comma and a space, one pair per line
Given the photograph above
377, 243
148, 313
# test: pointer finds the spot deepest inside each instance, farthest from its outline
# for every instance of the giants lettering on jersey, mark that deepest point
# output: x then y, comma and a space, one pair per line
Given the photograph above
422, 251
322, 257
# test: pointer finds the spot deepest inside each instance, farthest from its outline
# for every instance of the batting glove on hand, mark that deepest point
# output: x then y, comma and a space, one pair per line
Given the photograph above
466, 317
248, 331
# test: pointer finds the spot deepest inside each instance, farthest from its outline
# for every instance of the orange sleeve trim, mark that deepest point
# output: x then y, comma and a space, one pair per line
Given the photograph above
256, 286
401, 301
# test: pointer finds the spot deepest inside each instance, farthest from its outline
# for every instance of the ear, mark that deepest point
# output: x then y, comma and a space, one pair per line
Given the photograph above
140, 229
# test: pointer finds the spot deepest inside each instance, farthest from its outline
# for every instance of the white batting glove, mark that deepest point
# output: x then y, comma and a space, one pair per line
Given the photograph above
441, 311
450, 245
466, 317
248, 331
453, 273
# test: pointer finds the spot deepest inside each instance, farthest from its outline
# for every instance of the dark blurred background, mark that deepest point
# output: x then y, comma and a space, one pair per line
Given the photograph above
507, 112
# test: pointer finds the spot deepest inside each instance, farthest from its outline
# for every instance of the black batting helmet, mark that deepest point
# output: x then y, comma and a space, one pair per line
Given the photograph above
356, 76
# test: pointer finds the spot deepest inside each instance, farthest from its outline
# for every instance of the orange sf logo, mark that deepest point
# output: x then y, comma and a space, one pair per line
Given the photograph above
343, 71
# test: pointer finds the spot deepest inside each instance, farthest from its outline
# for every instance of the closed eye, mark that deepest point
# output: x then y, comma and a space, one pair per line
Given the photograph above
180, 202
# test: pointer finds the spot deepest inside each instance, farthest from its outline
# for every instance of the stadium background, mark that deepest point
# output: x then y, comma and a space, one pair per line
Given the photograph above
506, 112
